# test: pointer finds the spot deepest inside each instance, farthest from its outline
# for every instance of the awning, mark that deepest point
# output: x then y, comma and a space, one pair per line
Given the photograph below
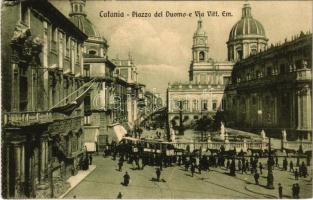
120, 132
90, 146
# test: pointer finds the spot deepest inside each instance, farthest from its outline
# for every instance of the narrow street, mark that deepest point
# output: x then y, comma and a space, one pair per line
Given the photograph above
105, 182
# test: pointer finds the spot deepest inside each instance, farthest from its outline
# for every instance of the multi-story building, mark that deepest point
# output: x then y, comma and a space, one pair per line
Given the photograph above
207, 80
272, 90
271, 87
42, 68
126, 74
99, 112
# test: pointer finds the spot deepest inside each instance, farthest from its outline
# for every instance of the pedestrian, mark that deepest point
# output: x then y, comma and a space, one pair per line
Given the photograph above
140, 163
192, 168
247, 166
126, 179
285, 164
232, 168
291, 166
303, 170
186, 165
120, 165
260, 167
293, 191
239, 165
276, 161
243, 169
256, 177
296, 174
158, 173
297, 191
119, 196
90, 159
227, 164
280, 191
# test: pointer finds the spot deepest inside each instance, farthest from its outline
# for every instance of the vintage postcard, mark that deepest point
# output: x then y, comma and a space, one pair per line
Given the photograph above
156, 99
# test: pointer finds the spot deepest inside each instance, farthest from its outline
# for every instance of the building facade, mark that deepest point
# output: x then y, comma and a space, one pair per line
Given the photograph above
204, 92
260, 87
99, 112
126, 71
270, 87
42, 68
272, 90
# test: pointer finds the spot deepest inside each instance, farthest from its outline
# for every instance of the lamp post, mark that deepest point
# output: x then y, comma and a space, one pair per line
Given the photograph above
270, 177
181, 128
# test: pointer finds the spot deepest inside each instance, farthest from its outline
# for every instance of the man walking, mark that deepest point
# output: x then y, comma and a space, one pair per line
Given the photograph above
126, 179
280, 191
296, 174
192, 169
260, 167
90, 159
291, 166
120, 165
256, 177
158, 173
285, 164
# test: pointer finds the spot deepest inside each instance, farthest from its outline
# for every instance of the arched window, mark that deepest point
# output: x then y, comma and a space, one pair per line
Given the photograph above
201, 56
80, 8
76, 8
239, 53
253, 50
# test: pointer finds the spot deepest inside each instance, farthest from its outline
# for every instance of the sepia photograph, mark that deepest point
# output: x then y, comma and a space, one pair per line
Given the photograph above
156, 99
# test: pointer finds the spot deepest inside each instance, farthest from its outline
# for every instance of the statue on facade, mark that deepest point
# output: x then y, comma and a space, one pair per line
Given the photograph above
222, 135
263, 135
284, 135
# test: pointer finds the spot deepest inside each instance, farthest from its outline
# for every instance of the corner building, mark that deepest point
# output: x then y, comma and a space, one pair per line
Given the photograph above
41, 66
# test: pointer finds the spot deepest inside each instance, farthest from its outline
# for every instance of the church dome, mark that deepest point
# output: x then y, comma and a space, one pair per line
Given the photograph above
247, 26
85, 25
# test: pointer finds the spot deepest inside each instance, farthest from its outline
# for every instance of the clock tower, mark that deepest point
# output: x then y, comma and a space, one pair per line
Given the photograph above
200, 47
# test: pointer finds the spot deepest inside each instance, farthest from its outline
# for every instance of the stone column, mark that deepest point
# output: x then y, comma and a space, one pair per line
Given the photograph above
43, 169
307, 110
299, 108
19, 168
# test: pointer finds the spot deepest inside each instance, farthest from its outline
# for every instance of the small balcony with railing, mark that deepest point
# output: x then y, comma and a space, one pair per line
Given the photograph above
28, 118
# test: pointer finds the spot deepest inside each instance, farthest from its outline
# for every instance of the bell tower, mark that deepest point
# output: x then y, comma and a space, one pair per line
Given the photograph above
200, 49
77, 7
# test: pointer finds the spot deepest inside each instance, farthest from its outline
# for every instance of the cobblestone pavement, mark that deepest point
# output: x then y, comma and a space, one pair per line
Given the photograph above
105, 182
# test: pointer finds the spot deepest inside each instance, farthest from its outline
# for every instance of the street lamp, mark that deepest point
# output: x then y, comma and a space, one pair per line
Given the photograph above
181, 128
270, 177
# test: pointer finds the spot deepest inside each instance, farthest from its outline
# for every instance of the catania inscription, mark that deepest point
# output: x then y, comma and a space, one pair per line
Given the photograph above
212, 13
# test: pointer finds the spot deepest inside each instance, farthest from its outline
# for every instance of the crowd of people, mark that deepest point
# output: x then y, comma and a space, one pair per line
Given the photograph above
197, 161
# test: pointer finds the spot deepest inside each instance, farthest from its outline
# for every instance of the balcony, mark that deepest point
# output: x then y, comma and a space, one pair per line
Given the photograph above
26, 118
304, 74
30, 118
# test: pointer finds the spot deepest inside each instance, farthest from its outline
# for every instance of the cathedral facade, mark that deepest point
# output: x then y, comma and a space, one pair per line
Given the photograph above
204, 92
261, 87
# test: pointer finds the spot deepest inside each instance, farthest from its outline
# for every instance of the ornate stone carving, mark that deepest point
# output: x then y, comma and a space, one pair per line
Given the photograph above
24, 45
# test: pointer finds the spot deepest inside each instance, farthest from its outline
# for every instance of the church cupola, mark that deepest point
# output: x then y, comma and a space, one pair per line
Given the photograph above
247, 37
200, 47
77, 7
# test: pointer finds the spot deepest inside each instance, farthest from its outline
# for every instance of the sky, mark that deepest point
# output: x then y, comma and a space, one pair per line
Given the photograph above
161, 46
